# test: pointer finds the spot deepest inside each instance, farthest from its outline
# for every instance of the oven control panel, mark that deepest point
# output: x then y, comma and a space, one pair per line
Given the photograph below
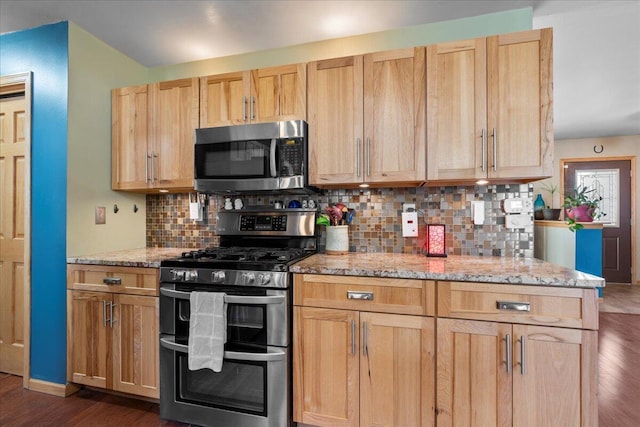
180, 275
263, 222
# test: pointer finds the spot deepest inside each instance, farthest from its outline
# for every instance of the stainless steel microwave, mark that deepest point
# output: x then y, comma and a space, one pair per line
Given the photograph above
261, 157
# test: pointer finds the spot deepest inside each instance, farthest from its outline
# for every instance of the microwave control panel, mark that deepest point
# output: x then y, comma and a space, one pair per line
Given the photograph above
291, 157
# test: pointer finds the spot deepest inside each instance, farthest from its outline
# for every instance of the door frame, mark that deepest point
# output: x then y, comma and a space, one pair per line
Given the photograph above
16, 83
631, 159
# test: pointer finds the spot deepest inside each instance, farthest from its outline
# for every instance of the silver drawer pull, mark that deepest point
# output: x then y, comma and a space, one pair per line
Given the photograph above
516, 306
367, 296
112, 281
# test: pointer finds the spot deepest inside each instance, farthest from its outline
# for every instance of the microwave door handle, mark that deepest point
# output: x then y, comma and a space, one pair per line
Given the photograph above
272, 158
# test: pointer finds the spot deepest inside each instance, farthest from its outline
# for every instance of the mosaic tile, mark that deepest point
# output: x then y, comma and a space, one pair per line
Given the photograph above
377, 224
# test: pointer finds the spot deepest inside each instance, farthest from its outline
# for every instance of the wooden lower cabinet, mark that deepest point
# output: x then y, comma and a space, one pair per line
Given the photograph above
355, 368
112, 338
502, 374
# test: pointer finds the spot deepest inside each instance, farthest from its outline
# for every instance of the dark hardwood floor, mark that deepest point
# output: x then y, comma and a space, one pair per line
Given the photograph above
618, 400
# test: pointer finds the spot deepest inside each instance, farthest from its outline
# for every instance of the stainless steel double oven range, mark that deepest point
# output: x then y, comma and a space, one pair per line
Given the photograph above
250, 266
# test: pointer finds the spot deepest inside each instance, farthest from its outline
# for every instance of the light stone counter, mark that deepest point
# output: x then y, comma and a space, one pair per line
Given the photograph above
520, 271
143, 257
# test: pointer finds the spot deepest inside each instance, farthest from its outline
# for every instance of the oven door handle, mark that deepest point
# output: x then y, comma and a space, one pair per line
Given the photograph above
229, 299
270, 356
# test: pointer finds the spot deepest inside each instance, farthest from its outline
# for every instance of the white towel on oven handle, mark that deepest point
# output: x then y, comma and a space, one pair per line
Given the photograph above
207, 330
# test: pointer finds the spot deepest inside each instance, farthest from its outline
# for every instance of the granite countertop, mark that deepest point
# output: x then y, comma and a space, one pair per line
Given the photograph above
520, 271
143, 257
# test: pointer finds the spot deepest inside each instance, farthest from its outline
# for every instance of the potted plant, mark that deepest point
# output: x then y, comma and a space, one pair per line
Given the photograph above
582, 206
549, 212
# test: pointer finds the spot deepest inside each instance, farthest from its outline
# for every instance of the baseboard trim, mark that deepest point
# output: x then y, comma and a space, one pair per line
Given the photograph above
55, 389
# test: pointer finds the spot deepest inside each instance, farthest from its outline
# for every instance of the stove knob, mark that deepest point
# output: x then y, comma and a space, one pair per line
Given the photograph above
217, 277
191, 275
263, 279
248, 278
177, 274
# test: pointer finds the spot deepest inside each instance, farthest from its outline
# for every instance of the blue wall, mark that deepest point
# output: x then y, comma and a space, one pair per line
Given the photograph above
44, 52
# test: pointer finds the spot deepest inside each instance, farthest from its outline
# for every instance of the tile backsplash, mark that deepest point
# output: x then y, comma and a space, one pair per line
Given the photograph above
376, 226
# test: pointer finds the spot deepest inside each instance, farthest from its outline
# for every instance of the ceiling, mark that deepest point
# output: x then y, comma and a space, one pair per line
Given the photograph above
596, 43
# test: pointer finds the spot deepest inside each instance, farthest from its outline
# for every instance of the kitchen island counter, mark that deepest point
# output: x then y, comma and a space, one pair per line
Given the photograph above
142, 257
462, 268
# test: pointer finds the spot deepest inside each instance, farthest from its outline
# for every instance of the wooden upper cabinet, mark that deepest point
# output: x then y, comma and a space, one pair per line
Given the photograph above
489, 106
456, 110
129, 137
152, 135
174, 121
394, 116
367, 119
520, 90
335, 93
223, 100
262, 95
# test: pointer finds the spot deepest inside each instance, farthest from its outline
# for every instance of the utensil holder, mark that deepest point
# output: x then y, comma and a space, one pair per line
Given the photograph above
337, 240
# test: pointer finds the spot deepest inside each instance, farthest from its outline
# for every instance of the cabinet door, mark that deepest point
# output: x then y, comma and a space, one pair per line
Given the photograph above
279, 93
394, 116
223, 99
129, 138
325, 367
457, 111
555, 374
335, 121
89, 338
396, 370
174, 121
520, 114
474, 382
135, 345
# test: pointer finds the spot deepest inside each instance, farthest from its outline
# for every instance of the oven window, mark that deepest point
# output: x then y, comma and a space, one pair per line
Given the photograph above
240, 386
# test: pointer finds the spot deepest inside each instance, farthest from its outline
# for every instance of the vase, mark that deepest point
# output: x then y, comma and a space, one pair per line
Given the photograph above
538, 206
337, 240
582, 213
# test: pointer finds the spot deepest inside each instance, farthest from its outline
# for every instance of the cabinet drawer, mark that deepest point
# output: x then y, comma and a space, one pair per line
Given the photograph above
401, 296
102, 278
534, 305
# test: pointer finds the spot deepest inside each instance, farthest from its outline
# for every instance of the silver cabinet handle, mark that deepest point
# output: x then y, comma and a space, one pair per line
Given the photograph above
368, 157
365, 349
507, 339
112, 281
484, 150
516, 306
367, 296
353, 337
146, 167
252, 107
154, 159
111, 321
358, 157
495, 149
523, 355
104, 313
244, 108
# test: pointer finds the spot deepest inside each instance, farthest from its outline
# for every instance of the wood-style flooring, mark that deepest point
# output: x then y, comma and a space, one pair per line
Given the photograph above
618, 394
